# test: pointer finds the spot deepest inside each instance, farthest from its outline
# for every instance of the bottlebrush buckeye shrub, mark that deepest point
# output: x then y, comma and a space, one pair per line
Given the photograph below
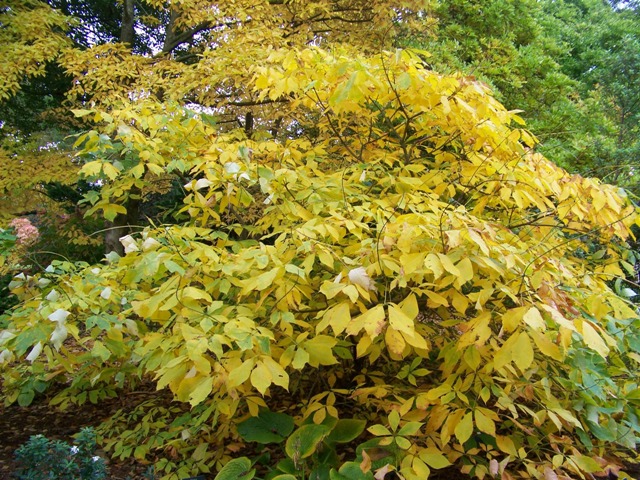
384, 247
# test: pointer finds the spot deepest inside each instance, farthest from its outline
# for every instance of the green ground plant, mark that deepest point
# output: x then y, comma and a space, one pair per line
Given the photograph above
41, 458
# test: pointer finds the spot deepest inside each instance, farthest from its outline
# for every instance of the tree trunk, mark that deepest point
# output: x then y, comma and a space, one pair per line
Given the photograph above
171, 33
121, 226
127, 31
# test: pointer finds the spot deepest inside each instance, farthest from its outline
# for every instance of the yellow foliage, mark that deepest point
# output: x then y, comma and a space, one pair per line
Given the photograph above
411, 250
32, 34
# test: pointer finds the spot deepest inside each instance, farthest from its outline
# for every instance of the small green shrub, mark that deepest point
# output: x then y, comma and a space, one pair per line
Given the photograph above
41, 458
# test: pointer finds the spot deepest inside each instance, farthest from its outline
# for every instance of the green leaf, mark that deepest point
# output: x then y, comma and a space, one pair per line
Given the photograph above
334, 475
352, 471
410, 428
236, 469
403, 443
100, 351
379, 430
303, 442
394, 420
320, 472
346, 430
267, 427
26, 397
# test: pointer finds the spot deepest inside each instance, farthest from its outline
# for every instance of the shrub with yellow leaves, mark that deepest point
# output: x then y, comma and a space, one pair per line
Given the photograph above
416, 270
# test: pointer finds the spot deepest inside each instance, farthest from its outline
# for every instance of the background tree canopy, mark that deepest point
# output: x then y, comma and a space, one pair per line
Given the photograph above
323, 242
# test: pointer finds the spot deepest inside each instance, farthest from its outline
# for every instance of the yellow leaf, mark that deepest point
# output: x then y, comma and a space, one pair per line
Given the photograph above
338, 317
434, 458
363, 346
464, 429
320, 349
484, 423
262, 82
111, 211
433, 263
448, 265
300, 359
438, 391
436, 300
559, 318
446, 108
567, 416
593, 340
472, 357
261, 378
511, 318
451, 422
193, 293
415, 340
352, 292
459, 302
394, 341
110, 171
278, 375
325, 257
546, 346
586, 464
479, 331
504, 355
92, 168
523, 352
260, 282
400, 321
372, 321
466, 271
410, 306
478, 240
506, 445
200, 390
420, 468
330, 289
412, 261
239, 375
534, 319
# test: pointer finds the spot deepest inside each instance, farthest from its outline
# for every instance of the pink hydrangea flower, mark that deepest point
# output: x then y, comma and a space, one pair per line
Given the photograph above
26, 232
